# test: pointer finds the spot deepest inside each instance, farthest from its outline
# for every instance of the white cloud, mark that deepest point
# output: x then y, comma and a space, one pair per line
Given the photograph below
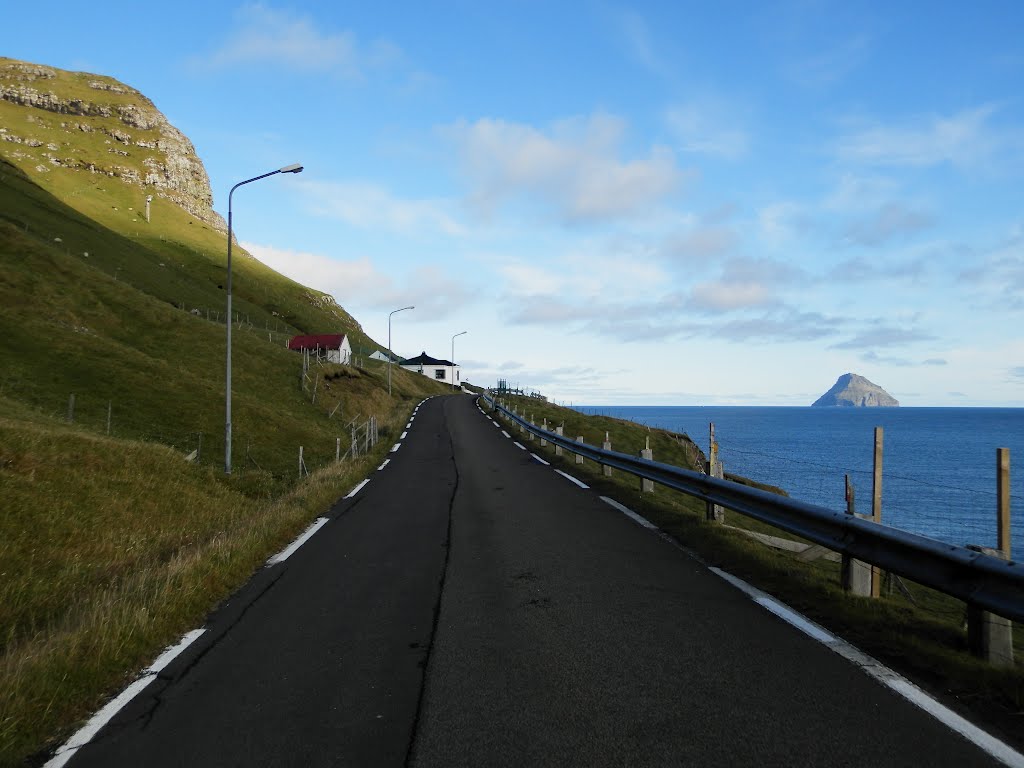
371, 206
707, 129
358, 282
727, 296
964, 139
263, 34
575, 169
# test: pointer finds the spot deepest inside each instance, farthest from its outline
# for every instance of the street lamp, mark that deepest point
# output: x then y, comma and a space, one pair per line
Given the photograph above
295, 168
453, 356
389, 345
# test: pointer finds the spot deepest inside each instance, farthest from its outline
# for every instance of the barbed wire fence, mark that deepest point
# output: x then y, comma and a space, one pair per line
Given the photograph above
106, 416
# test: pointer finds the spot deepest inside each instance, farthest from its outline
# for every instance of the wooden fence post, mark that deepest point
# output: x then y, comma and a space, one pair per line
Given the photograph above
71, 408
337, 449
714, 513
990, 636
876, 506
300, 462
110, 406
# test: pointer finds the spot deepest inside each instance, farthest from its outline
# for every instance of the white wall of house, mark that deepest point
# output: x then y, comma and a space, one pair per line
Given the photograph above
341, 355
441, 373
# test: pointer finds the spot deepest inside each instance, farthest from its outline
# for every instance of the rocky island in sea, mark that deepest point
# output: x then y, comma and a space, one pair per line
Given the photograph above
856, 391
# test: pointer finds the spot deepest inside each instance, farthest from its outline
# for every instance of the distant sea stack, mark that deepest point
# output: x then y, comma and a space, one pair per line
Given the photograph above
851, 390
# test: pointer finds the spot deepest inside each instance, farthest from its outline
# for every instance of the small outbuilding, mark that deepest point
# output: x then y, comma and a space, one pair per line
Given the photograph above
334, 347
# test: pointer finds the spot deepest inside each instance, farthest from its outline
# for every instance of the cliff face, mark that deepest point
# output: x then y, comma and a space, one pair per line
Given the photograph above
853, 390
51, 119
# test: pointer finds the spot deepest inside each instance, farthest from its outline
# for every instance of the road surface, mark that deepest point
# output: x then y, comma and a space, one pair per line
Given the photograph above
471, 607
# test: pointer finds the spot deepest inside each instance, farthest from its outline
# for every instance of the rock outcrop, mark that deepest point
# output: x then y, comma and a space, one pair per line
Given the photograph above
853, 390
137, 143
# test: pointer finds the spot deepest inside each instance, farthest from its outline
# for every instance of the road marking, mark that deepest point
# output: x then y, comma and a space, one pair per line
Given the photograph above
883, 674
572, 479
538, 458
629, 513
506, 434
520, 446
87, 732
395, 447
288, 551
386, 462
357, 489
404, 435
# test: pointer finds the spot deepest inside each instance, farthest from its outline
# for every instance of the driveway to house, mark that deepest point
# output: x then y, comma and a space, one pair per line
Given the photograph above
471, 607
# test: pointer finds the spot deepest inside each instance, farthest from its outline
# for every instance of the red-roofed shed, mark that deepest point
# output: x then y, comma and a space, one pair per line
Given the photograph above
335, 346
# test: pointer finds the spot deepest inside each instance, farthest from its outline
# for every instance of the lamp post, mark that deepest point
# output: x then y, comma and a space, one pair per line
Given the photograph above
453, 356
389, 344
295, 168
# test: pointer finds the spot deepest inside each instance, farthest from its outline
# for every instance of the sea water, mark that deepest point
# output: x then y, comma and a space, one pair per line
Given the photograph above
939, 464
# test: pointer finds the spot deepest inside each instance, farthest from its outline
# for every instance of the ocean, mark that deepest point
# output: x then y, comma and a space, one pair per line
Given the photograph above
939, 464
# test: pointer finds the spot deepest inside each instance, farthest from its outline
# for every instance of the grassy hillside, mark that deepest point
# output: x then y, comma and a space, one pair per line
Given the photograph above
112, 544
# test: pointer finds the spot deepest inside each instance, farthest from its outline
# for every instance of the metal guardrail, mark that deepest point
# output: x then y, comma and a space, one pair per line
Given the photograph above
982, 580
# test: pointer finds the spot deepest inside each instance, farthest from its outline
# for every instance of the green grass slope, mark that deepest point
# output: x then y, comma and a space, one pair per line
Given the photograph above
111, 544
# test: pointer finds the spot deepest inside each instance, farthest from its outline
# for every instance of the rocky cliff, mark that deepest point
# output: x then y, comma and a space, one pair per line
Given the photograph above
51, 118
853, 390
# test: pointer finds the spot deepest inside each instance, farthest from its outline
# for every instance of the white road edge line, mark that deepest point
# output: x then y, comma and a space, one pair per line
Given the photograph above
629, 513
520, 446
87, 732
288, 551
404, 435
357, 489
395, 447
887, 677
506, 434
386, 462
538, 458
572, 479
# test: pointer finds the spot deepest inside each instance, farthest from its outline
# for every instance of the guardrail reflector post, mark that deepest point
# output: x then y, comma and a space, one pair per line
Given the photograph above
579, 456
607, 445
543, 442
647, 486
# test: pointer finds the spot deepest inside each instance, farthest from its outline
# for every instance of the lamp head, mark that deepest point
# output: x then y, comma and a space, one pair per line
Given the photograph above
294, 168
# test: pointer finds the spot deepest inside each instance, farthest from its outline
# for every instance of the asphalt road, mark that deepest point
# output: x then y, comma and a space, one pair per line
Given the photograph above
471, 607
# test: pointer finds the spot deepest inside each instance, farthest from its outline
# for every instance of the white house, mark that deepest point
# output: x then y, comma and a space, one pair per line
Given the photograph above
444, 371
382, 356
334, 346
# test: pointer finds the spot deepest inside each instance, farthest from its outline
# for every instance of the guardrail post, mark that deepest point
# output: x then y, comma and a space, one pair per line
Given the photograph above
855, 574
579, 456
607, 445
990, 637
532, 424
559, 431
543, 442
714, 513
647, 486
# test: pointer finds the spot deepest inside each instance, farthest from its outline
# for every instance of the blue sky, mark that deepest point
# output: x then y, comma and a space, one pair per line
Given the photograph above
644, 203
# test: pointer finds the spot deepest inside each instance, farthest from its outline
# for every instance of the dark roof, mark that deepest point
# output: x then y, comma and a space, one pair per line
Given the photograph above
321, 341
424, 359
